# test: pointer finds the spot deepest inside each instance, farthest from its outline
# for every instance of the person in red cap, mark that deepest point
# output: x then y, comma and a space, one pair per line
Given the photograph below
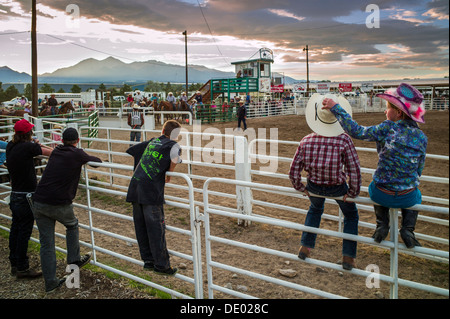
20, 153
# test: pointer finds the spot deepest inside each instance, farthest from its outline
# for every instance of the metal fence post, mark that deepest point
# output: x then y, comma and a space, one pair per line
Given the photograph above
393, 220
88, 198
39, 129
243, 173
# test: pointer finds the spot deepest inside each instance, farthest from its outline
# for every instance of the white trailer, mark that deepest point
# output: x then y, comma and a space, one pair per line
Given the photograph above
84, 97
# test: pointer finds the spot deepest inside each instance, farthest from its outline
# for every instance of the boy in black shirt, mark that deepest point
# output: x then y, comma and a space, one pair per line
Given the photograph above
53, 202
146, 191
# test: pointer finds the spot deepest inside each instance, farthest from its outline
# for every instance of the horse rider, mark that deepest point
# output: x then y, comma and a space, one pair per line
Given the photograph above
154, 97
171, 99
183, 97
53, 104
138, 97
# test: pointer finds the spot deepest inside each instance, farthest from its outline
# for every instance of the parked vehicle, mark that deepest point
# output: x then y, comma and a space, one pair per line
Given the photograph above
13, 102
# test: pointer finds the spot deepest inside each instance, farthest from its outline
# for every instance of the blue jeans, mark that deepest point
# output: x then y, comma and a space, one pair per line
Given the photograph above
46, 217
394, 201
315, 212
150, 230
21, 229
135, 134
242, 119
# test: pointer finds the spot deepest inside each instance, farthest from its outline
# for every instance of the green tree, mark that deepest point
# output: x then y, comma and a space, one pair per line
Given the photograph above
102, 87
75, 89
11, 92
28, 91
125, 88
2, 93
168, 88
61, 90
46, 88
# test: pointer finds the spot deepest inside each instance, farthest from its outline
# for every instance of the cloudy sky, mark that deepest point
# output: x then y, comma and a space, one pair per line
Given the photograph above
347, 40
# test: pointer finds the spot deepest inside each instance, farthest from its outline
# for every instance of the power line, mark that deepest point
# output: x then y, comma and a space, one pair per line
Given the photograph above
16, 32
210, 32
88, 48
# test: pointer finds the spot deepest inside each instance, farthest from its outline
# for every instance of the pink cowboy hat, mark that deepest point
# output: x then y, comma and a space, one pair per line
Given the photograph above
408, 99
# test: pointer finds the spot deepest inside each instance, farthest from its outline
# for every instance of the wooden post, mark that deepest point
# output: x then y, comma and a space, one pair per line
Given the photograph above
34, 75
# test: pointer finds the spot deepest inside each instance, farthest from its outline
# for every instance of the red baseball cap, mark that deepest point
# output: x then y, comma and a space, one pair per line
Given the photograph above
23, 126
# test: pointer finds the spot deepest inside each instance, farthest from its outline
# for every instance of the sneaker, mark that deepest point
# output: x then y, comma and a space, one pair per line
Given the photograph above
83, 260
60, 283
304, 252
148, 265
169, 271
13, 271
29, 273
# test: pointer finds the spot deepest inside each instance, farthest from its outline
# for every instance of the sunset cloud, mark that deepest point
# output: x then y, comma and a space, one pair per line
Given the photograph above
230, 30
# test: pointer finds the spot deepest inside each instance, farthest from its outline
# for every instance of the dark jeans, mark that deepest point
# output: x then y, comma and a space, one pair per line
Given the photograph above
135, 135
46, 217
242, 119
315, 212
21, 229
151, 234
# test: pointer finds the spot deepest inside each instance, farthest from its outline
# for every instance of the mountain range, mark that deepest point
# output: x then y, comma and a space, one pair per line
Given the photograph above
112, 70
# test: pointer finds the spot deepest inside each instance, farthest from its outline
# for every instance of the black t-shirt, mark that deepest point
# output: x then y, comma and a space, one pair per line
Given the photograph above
59, 183
149, 178
20, 162
136, 151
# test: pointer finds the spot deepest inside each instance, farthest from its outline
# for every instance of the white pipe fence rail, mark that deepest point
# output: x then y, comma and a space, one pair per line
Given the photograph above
242, 155
393, 246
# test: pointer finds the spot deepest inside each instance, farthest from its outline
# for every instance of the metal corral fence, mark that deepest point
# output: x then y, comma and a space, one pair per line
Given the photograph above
239, 163
210, 113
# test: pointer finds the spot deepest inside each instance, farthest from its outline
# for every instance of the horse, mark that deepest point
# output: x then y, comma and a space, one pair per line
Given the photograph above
12, 112
168, 107
62, 110
184, 106
154, 104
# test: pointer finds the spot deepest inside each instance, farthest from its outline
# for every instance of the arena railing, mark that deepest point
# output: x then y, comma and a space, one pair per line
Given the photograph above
417, 252
193, 233
187, 202
430, 199
243, 171
393, 246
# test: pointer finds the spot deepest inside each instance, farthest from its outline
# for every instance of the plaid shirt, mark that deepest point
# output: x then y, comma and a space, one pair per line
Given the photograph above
328, 161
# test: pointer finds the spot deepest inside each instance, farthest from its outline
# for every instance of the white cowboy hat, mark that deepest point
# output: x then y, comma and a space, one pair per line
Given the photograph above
135, 106
322, 121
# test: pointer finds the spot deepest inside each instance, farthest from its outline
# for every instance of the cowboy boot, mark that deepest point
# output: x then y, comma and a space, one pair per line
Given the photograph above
382, 230
409, 219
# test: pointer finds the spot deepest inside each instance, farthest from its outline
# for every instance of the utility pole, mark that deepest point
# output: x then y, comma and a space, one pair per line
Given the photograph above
186, 57
307, 70
34, 75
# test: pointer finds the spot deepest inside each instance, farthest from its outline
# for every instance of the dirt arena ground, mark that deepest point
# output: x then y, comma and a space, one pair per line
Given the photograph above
289, 128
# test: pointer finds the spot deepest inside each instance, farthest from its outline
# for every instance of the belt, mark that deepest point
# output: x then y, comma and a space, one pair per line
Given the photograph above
396, 193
